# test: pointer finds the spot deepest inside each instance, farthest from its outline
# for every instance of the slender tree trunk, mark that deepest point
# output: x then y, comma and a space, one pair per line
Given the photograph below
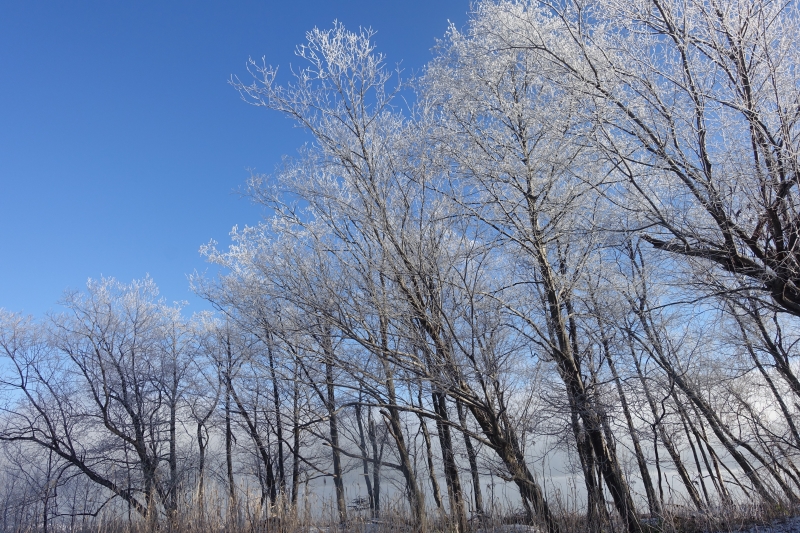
655, 348
173, 445
778, 353
607, 461
437, 495
701, 433
454, 492
49, 488
362, 446
722, 435
281, 481
713, 473
295, 437
652, 500
201, 471
658, 463
717, 461
665, 438
568, 366
263, 449
333, 421
696, 458
472, 456
395, 428
778, 396
229, 448
597, 513
377, 456
504, 441
272, 482
234, 507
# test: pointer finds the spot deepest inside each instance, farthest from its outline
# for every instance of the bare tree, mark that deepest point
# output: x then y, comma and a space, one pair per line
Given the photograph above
107, 379
695, 103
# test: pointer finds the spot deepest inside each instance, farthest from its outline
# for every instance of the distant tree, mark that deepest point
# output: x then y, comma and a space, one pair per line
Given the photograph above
104, 382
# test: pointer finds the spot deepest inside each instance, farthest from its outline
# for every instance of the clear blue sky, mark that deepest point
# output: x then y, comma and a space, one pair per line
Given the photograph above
121, 142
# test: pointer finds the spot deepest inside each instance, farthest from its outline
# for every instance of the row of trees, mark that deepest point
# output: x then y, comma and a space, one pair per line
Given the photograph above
578, 246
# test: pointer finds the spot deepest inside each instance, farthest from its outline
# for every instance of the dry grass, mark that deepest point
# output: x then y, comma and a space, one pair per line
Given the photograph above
252, 517
726, 519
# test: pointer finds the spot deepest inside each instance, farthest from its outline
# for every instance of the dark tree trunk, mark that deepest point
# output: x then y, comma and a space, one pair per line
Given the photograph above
229, 448
472, 456
276, 398
597, 512
201, 470
664, 436
394, 426
504, 441
173, 444
295, 437
263, 448
333, 424
454, 492
377, 456
437, 495
653, 502
362, 446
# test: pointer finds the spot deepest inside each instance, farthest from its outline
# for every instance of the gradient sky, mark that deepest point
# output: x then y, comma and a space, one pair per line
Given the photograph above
122, 144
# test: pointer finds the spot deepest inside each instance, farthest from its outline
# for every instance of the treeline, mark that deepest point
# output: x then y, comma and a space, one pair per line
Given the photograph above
579, 241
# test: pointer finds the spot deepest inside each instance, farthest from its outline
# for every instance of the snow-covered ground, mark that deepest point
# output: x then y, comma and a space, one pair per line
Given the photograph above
511, 528
784, 525
790, 525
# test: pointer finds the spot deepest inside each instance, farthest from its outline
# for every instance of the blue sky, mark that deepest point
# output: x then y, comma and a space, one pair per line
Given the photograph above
122, 144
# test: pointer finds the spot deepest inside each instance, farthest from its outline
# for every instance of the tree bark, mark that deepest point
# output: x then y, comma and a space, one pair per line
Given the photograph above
437, 495
472, 456
664, 436
654, 504
362, 446
333, 423
454, 493
376, 466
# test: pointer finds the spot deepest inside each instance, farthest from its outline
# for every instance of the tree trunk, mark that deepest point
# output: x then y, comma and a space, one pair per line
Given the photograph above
597, 513
652, 500
504, 441
665, 438
561, 343
472, 455
295, 438
362, 446
454, 493
377, 456
281, 480
201, 471
173, 445
262, 448
393, 424
229, 448
437, 495
333, 421
722, 435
